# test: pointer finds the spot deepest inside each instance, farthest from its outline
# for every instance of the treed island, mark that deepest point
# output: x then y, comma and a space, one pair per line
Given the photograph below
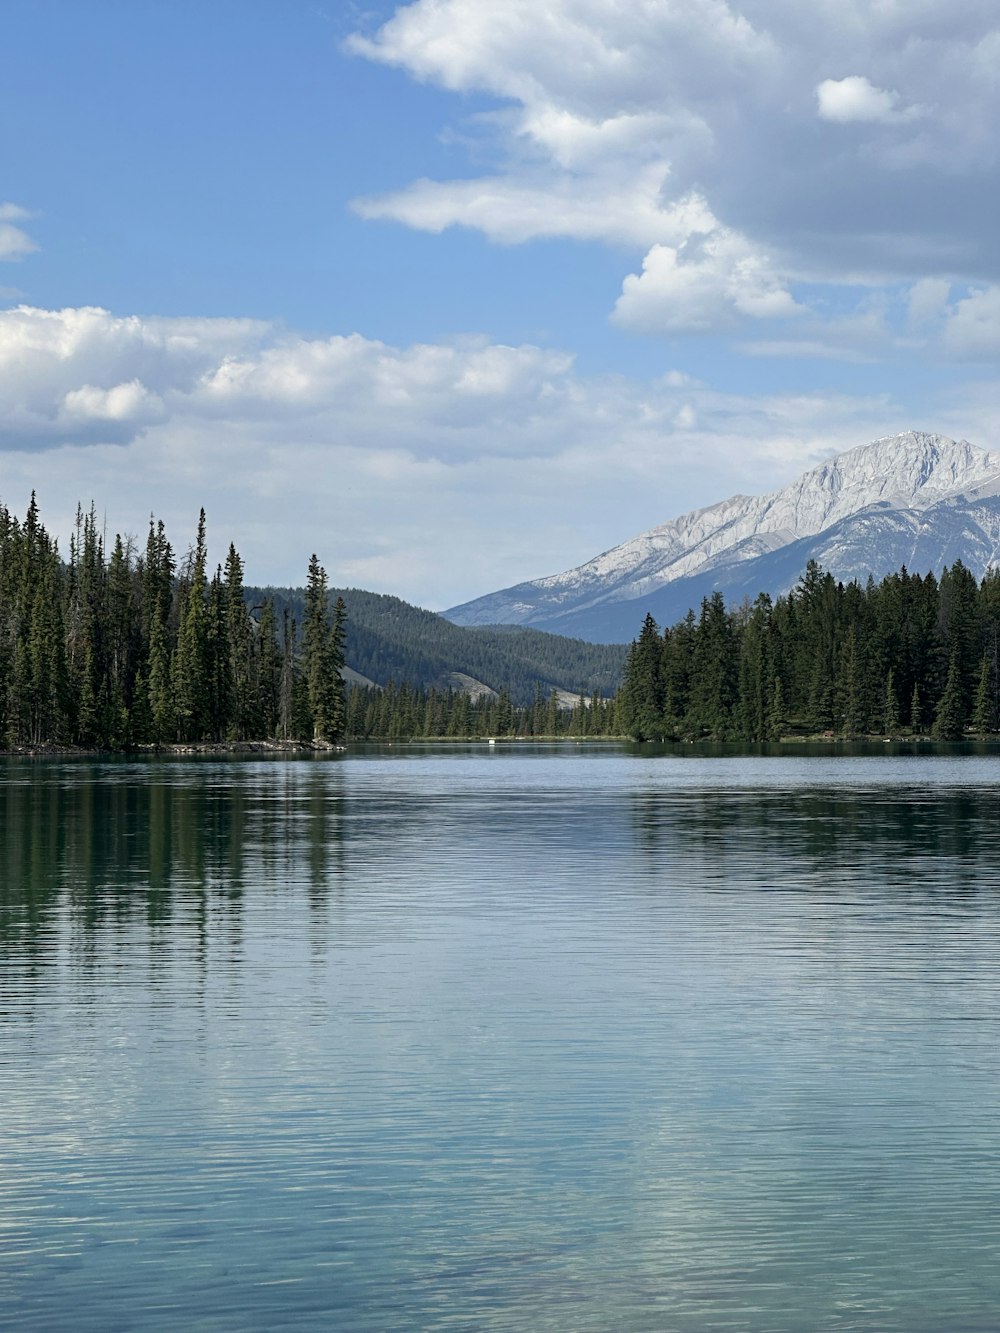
135, 647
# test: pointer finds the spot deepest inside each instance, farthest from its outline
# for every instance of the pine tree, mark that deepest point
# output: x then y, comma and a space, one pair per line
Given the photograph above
853, 722
756, 674
643, 684
223, 701
776, 720
322, 649
190, 674
949, 717
240, 664
266, 704
714, 674
890, 706
289, 700
958, 625
984, 716
916, 711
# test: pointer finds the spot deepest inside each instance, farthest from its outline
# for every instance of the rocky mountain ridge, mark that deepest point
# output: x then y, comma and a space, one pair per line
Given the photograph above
917, 499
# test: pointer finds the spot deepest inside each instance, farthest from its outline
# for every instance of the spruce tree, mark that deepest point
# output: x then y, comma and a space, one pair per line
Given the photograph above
890, 706
240, 665
643, 684
322, 654
949, 718
714, 681
984, 711
916, 711
266, 704
776, 720
190, 675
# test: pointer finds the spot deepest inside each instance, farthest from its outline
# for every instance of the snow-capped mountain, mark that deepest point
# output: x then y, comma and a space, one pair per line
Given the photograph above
914, 499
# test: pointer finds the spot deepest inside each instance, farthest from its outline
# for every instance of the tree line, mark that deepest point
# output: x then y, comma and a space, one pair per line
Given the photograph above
912, 653
137, 647
402, 712
130, 648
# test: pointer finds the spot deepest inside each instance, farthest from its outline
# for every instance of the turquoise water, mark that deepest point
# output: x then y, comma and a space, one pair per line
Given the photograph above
523, 1038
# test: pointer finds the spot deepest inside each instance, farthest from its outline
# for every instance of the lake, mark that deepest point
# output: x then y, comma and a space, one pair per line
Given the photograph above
519, 1037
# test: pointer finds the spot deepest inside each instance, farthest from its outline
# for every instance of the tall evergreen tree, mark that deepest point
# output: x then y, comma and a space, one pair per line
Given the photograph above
643, 686
949, 718
191, 674
322, 639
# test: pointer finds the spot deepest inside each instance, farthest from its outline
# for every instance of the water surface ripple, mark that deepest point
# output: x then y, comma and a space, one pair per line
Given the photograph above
527, 1038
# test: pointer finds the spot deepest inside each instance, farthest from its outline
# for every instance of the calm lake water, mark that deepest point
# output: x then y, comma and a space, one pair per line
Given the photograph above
528, 1038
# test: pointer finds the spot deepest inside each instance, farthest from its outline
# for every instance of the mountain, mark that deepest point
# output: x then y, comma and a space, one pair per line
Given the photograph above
387, 639
913, 499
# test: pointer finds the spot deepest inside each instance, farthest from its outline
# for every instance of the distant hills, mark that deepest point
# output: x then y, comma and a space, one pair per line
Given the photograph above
913, 499
387, 639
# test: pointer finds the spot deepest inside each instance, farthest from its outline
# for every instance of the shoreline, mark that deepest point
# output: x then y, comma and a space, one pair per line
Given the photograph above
179, 748
250, 749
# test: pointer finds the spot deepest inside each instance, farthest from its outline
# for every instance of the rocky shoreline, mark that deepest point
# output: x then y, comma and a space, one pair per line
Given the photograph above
202, 747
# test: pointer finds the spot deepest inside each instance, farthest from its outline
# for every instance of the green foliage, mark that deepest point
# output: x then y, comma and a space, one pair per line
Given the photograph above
826, 658
117, 652
949, 715
323, 657
387, 639
644, 688
401, 713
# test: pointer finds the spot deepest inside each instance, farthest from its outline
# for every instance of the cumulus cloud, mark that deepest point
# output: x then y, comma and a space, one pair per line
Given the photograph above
606, 108
708, 282
972, 327
65, 374
68, 375
435, 390
428, 470
583, 50
609, 117
15, 242
855, 98
131, 402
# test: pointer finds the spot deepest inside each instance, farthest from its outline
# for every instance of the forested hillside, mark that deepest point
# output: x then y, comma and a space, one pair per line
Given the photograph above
389, 640
912, 653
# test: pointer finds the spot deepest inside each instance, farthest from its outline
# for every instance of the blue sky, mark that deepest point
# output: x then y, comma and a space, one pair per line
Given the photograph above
459, 294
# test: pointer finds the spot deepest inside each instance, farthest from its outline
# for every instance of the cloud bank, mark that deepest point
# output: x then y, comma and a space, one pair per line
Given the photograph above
435, 471
747, 151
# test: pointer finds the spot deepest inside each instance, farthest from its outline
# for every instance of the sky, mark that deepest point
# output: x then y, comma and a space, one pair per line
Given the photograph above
460, 293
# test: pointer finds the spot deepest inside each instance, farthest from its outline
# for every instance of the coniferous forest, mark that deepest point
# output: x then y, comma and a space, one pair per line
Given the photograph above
912, 654
133, 648
138, 647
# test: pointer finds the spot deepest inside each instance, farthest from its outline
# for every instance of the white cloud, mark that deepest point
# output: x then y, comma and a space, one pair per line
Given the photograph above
927, 301
601, 116
611, 116
437, 472
711, 280
511, 209
572, 51
432, 390
65, 372
972, 328
855, 99
15, 242
129, 402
